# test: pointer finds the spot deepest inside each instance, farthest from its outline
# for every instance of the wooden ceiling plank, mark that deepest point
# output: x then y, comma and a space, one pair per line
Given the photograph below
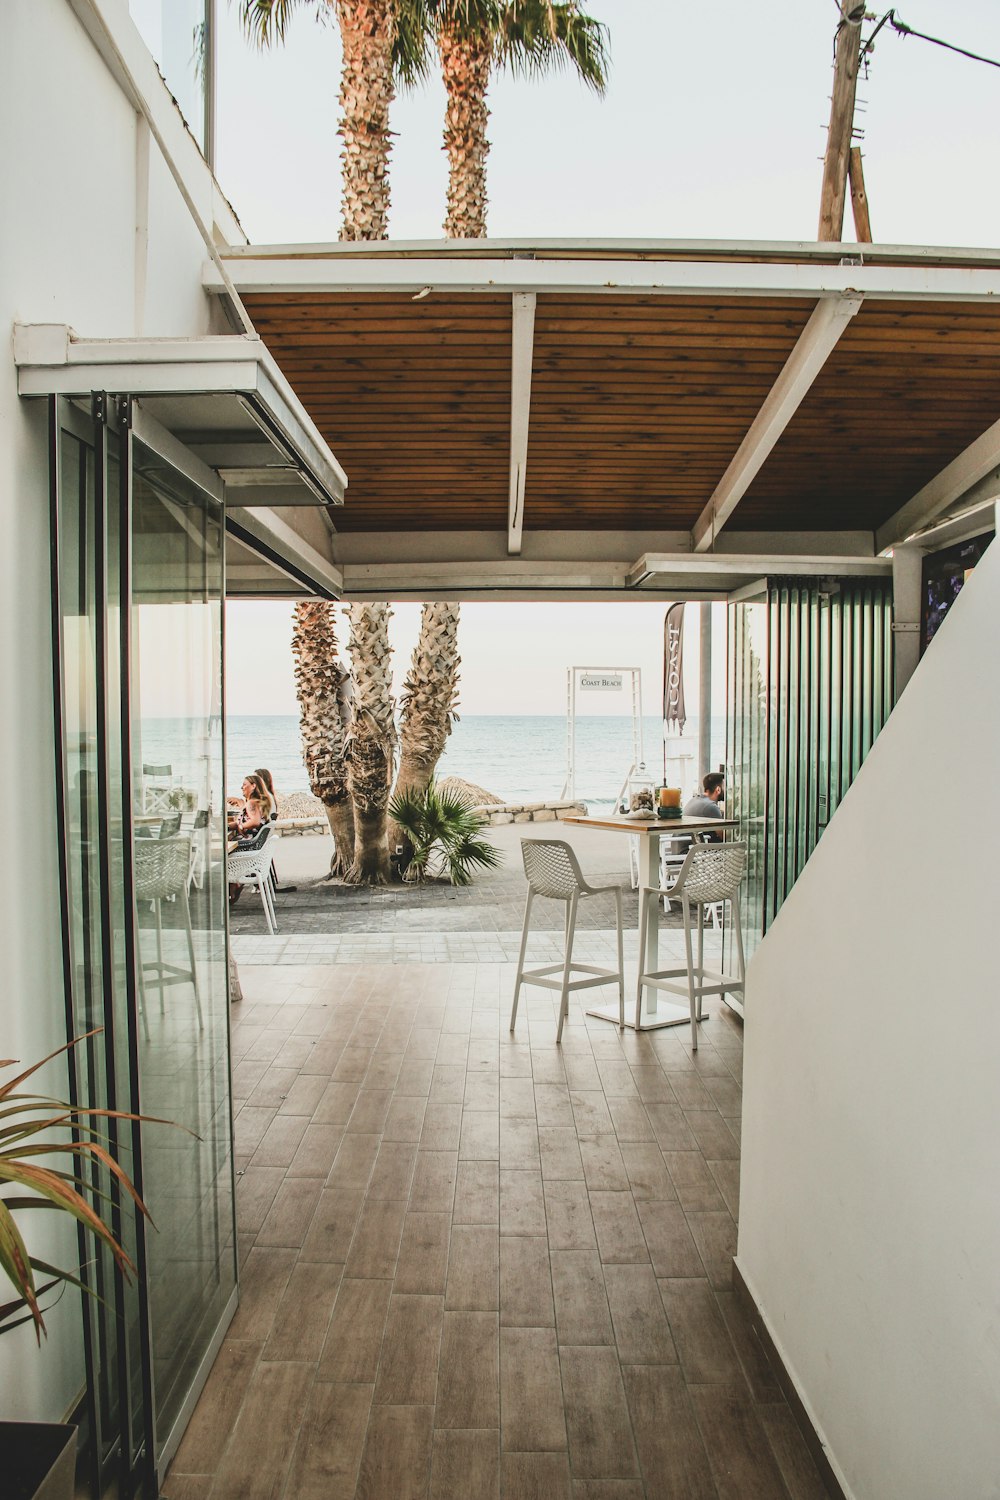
815, 344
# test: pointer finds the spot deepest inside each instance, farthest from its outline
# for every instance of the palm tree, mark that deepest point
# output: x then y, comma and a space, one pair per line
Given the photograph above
371, 741
370, 40
445, 837
529, 37
368, 36
429, 696
428, 704
325, 693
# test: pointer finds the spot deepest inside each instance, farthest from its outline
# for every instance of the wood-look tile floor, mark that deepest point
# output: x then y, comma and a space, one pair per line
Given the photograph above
477, 1266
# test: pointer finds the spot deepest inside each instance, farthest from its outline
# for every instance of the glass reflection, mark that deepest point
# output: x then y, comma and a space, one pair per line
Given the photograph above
178, 805
176, 33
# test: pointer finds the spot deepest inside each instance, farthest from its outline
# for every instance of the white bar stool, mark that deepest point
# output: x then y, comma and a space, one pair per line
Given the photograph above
710, 874
553, 870
162, 868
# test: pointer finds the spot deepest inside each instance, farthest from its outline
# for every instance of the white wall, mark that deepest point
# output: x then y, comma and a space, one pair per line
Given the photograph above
67, 254
870, 1204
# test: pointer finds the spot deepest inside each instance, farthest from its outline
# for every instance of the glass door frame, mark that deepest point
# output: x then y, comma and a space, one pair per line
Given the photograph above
125, 1450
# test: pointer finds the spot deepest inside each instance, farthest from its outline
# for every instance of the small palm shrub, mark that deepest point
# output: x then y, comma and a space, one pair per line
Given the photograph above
26, 1119
445, 837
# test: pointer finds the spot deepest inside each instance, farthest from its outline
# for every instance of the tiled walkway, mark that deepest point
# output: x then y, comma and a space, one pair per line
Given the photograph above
476, 1266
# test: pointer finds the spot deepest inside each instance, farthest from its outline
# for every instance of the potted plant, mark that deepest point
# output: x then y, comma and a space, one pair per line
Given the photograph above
38, 1459
444, 837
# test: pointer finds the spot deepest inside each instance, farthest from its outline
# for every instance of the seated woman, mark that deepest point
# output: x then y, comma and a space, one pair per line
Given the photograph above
250, 817
268, 781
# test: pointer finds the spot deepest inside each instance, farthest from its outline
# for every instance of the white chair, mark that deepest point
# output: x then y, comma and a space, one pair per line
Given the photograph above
157, 783
161, 874
200, 848
552, 870
252, 867
711, 874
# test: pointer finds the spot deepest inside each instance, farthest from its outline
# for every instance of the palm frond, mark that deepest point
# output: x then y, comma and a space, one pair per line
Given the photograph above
266, 21
413, 41
541, 36
440, 826
22, 1166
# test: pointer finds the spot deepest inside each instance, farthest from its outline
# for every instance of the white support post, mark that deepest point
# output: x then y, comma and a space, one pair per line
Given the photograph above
522, 351
815, 344
907, 574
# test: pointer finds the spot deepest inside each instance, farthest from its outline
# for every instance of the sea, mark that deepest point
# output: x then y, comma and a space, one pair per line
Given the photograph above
518, 758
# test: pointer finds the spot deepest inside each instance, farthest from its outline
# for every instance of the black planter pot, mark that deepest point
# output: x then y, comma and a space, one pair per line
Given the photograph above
37, 1460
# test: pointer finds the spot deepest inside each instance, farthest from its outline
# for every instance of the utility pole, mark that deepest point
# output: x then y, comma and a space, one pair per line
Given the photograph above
859, 199
838, 141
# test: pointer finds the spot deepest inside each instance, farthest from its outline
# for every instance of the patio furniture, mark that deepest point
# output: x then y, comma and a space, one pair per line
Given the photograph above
252, 866
552, 870
170, 827
161, 874
199, 848
710, 874
673, 853
649, 832
157, 782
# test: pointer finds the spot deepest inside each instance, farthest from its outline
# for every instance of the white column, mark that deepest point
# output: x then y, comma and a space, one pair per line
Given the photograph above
907, 562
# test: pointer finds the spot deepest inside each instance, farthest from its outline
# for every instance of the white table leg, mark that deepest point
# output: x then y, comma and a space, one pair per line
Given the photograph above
652, 880
657, 1010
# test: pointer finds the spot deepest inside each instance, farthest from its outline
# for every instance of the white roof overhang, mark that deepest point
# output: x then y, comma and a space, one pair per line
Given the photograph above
709, 557
221, 395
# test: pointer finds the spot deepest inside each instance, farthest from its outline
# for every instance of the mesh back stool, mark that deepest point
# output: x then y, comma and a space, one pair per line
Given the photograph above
161, 874
710, 874
552, 870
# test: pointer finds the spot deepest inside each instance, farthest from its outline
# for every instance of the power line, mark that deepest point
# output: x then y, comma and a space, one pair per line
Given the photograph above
901, 29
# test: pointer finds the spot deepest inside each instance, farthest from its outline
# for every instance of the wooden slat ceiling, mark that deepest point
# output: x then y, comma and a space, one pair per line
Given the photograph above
638, 405
413, 398
905, 391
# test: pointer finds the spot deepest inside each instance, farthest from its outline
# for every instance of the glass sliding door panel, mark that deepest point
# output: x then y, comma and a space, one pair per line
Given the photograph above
179, 816
810, 686
178, 34
85, 537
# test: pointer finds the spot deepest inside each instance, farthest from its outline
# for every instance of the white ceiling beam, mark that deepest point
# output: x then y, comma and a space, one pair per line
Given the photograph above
715, 574
652, 566
620, 248
813, 348
266, 533
723, 278
522, 352
943, 490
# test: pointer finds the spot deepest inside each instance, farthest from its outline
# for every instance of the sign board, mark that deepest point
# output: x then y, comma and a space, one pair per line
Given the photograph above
674, 713
601, 682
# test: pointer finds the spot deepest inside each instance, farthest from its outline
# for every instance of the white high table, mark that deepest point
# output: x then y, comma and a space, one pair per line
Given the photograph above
656, 1011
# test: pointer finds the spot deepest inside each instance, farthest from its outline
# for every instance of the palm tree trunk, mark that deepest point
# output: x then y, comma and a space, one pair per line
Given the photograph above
323, 687
366, 92
428, 703
465, 68
371, 741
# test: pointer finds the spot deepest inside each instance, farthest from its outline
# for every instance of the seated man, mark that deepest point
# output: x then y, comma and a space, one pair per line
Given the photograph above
707, 803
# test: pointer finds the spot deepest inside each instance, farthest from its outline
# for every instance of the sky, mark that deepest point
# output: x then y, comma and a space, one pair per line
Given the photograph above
713, 126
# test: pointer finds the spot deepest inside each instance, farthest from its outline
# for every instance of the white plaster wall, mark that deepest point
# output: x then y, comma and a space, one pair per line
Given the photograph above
67, 254
870, 1202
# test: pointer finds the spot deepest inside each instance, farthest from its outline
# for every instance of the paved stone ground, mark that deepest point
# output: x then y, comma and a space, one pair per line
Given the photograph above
493, 904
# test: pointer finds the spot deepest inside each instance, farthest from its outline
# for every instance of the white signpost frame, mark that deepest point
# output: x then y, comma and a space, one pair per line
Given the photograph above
601, 680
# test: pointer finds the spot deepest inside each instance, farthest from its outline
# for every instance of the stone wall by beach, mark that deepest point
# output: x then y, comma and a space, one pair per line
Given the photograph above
301, 812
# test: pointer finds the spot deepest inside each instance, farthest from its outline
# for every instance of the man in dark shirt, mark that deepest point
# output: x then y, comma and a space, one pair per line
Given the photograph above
707, 803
